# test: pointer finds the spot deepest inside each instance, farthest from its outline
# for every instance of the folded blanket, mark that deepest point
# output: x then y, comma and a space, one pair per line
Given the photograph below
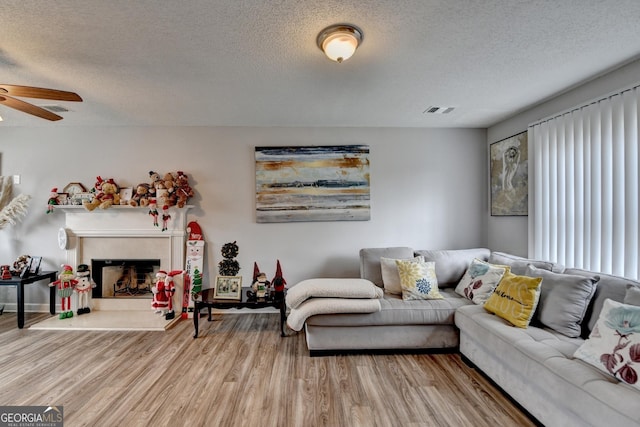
331, 288
314, 306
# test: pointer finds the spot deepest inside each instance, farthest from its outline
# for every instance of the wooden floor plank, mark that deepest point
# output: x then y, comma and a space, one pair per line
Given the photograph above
239, 372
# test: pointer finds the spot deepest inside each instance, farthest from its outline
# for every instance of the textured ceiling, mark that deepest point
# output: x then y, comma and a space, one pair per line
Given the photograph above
255, 63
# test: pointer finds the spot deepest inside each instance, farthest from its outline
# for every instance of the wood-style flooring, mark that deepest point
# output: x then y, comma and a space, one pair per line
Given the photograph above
238, 372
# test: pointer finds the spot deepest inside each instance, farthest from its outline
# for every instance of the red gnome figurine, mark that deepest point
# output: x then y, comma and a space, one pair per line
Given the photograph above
278, 283
65, 284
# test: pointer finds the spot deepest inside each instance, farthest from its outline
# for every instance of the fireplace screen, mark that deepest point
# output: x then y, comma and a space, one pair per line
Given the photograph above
124, 277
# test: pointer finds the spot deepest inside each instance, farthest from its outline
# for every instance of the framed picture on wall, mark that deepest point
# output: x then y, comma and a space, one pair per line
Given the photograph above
228, 287
509, 176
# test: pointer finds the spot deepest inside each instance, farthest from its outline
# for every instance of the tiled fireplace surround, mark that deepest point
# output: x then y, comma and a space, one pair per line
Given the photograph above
123, 232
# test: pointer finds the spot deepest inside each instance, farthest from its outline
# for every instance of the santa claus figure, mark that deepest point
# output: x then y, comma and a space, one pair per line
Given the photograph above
65, 284
83, 288
160, 302
163, 293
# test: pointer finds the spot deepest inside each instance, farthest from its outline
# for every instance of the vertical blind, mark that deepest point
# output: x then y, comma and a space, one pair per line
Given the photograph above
584, 188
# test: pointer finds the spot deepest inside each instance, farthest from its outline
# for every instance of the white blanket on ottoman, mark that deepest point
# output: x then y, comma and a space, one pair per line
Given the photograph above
314, 306
327, 296
331, 288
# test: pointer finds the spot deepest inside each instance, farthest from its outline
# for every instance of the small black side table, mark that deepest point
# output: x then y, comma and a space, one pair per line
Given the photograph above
277, 301
19, 283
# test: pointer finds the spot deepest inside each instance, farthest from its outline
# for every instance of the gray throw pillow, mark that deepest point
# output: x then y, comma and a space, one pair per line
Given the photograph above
632, 296
564, 299
451, 264
519, 264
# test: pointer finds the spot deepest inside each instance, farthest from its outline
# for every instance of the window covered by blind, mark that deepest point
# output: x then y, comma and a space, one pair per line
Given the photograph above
584, 188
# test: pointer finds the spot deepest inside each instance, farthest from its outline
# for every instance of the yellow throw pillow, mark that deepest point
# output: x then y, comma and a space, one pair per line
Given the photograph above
418, 280
515, 299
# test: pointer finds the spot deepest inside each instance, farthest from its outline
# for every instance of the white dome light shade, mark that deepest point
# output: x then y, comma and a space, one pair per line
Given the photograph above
339, 42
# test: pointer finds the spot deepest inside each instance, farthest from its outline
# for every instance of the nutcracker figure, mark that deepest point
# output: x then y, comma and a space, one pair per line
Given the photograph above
83, 288
65, 284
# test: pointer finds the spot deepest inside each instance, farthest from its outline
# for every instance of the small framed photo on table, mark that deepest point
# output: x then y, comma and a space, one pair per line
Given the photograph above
27, 269
228, 287
34, 267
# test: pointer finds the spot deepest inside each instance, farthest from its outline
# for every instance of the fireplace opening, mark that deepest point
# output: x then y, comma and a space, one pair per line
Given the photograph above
117, 278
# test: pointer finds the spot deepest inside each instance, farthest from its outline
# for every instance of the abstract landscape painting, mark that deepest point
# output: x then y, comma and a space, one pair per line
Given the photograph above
312, 183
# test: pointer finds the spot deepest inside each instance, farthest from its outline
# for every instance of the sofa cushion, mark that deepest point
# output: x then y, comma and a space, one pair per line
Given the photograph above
519, 264
614, 345
390, 275
564, 299
609, 286
396, 311
451, 264
418, 280
370, 261
479, 281
633, 295
515, 299
471, 318
543, 359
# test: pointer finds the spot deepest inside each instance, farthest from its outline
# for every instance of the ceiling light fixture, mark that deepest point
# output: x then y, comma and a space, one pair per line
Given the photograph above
339, 42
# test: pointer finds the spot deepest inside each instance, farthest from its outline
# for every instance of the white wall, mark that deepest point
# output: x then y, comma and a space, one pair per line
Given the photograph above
427, 191
510, 234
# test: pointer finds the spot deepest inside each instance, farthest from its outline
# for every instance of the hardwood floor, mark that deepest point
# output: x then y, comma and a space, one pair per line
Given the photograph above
238, 372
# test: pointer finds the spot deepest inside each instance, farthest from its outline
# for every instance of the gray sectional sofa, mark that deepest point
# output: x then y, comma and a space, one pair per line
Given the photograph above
535, 365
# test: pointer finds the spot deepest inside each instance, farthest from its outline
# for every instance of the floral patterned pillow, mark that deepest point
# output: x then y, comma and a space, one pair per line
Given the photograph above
480, 280
418, 280
614, 344
390, 276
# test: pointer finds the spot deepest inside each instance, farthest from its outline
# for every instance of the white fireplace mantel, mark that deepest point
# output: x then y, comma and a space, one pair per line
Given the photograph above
124, 222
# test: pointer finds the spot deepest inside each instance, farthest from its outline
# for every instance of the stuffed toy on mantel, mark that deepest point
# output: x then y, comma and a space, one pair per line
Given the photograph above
107, 196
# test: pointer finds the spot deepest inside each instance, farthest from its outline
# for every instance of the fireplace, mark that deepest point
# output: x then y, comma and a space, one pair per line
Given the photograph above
120, 234
124, 278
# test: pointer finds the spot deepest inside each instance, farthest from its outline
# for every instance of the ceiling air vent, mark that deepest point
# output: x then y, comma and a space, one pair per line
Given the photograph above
55, 108
438, 110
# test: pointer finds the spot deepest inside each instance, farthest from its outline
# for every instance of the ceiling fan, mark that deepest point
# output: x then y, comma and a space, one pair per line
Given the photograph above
8, 92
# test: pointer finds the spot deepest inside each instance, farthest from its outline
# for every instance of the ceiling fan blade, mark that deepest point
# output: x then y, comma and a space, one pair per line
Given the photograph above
28, 108
39, 92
